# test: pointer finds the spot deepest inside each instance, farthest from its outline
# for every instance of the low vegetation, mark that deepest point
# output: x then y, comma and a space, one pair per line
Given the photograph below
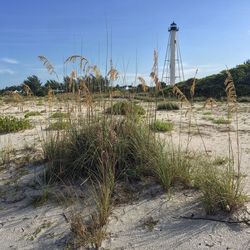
221, 120
59, 125
32, 113
161, 126
218, 120
108, 151
220, 188
12, 124
59, 115
168, 106
126, 108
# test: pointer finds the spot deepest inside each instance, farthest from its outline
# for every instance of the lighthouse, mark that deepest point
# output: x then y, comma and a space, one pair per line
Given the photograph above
173, 68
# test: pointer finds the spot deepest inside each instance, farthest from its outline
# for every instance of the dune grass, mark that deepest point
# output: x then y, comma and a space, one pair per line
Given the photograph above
220, 188
108, 151
126, 108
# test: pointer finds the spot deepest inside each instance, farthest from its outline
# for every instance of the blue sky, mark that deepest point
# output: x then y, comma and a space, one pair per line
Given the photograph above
212, 34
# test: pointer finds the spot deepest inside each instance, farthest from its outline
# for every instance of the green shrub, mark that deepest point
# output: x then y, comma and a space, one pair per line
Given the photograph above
32, 113
168, 106
161, 126
12, 124
126, 108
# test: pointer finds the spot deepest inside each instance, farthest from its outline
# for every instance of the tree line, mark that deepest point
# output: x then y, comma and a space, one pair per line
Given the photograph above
210, 86
213, 85
68, 85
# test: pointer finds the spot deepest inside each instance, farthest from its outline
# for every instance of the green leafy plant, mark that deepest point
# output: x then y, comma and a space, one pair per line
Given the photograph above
12, 124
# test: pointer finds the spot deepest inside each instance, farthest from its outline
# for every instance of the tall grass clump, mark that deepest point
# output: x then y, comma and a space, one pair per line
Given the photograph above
79, 150
220, 189
87, 233
129, 148
168, 106
222, 186
161, 126
126, 108
12, 124
59, 125
62, 121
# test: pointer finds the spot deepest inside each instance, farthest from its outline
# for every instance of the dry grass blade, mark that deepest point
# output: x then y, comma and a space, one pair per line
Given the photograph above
17, 97
143, 83
154, 72
93, 71
83, 60
155, 65
96, 71
156, 80
27, 90
210, 101
73, 76
230, 90
50, 94
84, 89
83, 86
180, 96
113, 74
48, 66
192, 89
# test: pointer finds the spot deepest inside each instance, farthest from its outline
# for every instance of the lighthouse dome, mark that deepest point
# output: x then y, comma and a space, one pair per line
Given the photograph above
173, 26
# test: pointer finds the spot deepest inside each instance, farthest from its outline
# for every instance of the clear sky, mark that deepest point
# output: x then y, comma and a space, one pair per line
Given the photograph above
213, 33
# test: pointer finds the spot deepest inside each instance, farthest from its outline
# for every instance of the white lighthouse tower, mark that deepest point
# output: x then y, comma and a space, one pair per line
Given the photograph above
172, 69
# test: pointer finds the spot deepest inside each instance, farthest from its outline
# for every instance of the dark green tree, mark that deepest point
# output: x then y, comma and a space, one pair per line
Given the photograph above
54, 85
35, 85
